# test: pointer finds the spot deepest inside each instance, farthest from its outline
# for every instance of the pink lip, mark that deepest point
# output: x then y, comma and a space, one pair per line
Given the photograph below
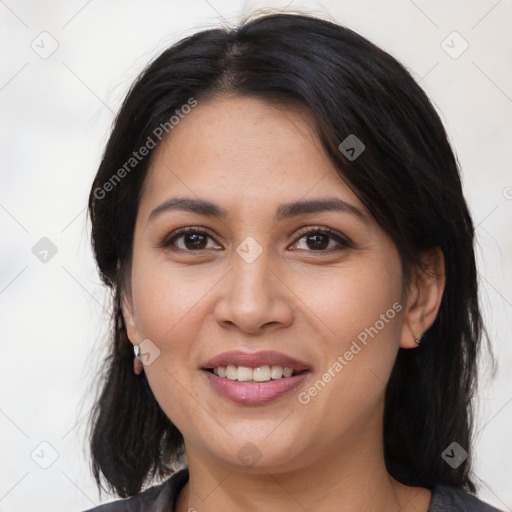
254, 360
253, 393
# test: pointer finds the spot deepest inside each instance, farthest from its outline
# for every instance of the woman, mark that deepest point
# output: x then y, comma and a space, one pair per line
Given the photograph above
280, 217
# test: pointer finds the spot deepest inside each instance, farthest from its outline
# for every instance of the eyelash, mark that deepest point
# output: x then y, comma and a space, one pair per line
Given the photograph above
344, 242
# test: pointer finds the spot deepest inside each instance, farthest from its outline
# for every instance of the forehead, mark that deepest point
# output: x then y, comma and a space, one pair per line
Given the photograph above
234, 149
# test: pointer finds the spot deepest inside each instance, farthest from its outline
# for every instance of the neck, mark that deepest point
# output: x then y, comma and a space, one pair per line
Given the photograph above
352, 479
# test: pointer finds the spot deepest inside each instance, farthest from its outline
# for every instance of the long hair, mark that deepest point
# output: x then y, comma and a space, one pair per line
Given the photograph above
407, 177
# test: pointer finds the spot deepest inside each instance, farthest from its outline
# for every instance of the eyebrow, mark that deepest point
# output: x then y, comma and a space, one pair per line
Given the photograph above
284, 211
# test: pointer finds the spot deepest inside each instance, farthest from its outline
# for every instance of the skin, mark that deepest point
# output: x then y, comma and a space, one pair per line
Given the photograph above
249, 157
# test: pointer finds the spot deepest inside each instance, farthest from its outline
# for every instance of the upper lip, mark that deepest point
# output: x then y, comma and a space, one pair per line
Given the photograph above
254, 360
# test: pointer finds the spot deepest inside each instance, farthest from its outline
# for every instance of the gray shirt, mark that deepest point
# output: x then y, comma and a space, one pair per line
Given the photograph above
162, 498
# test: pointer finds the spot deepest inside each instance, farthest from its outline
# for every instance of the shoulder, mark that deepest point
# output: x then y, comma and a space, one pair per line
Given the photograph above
452, 499
159, 498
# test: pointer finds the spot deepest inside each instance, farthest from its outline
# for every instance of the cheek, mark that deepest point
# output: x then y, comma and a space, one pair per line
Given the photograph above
361, 306
169, 304
166, 297
348, 301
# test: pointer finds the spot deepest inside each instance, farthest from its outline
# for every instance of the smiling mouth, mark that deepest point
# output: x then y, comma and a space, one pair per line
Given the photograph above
265, 373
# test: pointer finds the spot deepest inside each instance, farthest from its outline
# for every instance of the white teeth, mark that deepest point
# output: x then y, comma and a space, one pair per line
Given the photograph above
245, 374
261, 374
276, 372
287, 372
231, 372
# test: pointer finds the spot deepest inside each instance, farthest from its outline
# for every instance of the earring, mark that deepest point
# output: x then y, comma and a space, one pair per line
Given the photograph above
418, 340
137, 362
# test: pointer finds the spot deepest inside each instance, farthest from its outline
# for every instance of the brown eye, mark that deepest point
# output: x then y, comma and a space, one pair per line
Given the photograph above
318, 240
192, 240
196, 241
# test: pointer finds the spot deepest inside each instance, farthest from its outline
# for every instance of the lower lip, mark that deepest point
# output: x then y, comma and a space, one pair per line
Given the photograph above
254, 393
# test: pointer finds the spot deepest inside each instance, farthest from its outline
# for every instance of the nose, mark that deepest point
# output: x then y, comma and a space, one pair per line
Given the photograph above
254, 298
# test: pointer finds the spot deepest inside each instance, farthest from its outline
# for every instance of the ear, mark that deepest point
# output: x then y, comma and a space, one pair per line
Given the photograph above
129, 318
424, 298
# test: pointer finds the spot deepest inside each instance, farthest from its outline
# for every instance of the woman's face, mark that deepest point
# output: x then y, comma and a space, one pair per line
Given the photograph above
252, 288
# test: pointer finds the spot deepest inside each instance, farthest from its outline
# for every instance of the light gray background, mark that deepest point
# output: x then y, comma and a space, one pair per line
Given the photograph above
56, 115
